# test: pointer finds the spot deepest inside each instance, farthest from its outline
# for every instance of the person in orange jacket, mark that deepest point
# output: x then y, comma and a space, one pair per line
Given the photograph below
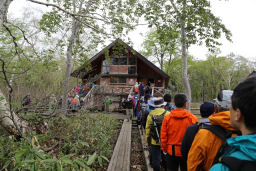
240, 152
172, 131
206, 144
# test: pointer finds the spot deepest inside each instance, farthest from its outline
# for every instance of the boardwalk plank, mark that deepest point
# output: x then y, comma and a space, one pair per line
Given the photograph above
128, 148
120, 159
112, 163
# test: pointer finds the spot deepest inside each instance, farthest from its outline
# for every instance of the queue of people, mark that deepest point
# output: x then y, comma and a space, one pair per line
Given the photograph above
76, 95
224, 139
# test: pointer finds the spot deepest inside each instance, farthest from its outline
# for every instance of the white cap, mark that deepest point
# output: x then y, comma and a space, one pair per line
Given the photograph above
224, 99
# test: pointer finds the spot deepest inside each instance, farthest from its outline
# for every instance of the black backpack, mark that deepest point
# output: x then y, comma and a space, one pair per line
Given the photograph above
235, 164
155, 128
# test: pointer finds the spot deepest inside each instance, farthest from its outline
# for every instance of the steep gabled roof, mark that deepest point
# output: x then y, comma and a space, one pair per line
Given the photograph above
141, 57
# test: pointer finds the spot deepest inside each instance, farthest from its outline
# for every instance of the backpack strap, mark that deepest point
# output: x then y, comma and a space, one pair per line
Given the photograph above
154, 116
235, 164
217, 130
223, 149
163, 112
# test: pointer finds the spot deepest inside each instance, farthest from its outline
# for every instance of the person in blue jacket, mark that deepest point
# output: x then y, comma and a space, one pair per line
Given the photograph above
243, 118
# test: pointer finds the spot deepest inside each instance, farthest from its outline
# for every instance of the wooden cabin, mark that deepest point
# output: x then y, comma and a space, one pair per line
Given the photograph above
120, 65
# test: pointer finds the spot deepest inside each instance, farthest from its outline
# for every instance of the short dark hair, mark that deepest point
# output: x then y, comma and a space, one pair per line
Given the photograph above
167, 98
244, 98
180, 99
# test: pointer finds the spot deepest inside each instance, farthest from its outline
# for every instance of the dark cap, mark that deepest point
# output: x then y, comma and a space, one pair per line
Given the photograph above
206, 109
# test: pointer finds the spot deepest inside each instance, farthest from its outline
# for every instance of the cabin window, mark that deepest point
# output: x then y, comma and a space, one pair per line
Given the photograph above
118, 80
122, 80
132, 70
125, 52
123, 61
105, 68
114, 61
132, 61
115, 52
113, 80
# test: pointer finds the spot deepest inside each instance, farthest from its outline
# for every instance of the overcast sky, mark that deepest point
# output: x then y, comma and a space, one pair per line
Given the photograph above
237, 15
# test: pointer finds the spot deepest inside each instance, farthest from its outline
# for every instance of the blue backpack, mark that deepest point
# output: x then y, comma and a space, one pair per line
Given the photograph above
169, 107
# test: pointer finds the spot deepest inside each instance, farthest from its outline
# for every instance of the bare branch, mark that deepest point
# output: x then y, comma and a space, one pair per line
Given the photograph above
13, 38
103, 18
25, 38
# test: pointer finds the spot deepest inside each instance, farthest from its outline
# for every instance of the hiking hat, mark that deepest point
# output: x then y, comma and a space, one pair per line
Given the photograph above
206, 109
224, 99
151, 102
129, 97
156, 102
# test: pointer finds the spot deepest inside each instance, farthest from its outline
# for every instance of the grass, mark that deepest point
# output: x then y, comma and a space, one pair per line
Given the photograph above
84, 142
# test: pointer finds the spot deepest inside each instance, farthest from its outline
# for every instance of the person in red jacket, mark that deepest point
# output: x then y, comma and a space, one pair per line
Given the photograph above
172, 131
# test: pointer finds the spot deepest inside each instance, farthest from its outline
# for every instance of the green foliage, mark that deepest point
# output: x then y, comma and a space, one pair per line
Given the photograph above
209, 76
161, 45
199, 22
85, 142
51, 22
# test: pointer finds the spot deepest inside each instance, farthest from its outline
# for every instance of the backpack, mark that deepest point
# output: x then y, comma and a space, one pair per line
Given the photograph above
155, 128
169, 107
235, 164
144, 117
142, 112
26, 100
223, 149
193, 129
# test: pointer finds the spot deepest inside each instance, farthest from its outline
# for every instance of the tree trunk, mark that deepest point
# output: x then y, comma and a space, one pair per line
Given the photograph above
4, 5
185, 65
75, 29
162, 61
9, 120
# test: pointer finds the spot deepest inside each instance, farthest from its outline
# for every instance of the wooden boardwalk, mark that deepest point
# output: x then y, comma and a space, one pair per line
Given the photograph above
120, 160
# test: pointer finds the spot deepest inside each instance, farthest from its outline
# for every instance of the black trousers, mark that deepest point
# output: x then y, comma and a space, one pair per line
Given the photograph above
173, 163
155, 157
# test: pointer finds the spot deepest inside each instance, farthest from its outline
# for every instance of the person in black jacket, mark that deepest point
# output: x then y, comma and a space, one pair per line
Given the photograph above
206, 109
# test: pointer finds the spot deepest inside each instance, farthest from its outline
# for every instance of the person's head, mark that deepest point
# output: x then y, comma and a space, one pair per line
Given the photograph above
167, 98
243, 108
206, 109
129, 97
223, 101
180, 100
157, 102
